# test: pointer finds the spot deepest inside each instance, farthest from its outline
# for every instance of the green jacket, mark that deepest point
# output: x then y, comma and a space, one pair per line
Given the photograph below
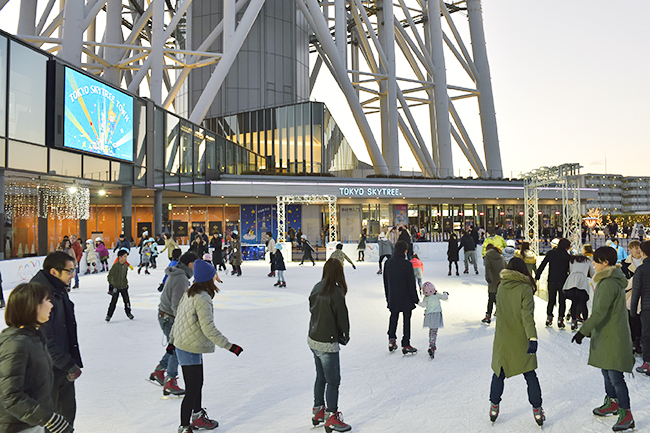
611, 344
117, 276
494, 264
515, 325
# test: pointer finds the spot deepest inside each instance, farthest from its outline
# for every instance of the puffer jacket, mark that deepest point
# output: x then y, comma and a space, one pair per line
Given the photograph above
26, 379
91, 256
494, 264
641, 287
329, 322
177, 283
530, 259
578, 276
385, 247
431, 303
194, 330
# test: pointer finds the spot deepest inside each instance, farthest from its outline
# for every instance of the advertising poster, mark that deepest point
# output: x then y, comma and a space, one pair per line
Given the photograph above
98, 118
180, 228
264, 221
401, 215
230, 226
214, 227
293, 216
248, 219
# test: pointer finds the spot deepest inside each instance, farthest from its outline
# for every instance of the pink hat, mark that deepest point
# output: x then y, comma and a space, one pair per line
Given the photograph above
428, 288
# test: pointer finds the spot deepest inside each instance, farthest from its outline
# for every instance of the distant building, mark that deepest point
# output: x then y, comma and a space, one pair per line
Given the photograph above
618, 194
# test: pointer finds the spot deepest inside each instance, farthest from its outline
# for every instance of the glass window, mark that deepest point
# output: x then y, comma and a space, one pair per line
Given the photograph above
122, 173
187, 184
172, 155
140, 131
230, 157
160, 141
27, 157
140, 175
199, 152
186, 147
210, 159
65, 163
2, 152
96, 168
27, 75
3, 87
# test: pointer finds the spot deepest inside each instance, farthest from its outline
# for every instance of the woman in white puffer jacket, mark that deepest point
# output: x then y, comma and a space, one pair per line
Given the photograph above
577, 287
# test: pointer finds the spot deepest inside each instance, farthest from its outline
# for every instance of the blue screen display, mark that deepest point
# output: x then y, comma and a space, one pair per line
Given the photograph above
98, 118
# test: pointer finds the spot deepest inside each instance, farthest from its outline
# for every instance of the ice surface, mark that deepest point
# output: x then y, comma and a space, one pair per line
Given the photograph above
269, 387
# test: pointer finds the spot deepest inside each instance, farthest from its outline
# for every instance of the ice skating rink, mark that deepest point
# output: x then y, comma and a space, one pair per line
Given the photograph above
269, 387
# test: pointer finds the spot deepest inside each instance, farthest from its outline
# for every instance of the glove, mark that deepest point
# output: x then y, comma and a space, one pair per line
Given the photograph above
354, 267
532, 347
160, 287
58, 424
577, 338
74, 373
171, 349
236, 349
446, 293
110, 289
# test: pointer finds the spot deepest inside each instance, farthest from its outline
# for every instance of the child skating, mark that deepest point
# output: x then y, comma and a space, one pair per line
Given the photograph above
432, 313
91, 256
103, 254
119, 285
145, 258
418, 269
279, 266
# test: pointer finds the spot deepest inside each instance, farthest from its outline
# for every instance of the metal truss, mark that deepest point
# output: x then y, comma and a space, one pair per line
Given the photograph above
388, 57
284, 200
566, 176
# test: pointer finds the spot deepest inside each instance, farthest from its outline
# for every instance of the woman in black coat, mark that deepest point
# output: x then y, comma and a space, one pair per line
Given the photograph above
217, 255
26, 377
452, 252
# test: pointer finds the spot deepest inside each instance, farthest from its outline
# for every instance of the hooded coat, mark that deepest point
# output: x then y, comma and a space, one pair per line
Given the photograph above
399, 284
452, 249
611, 343
178, 281
494, 264
516, 325
385, 247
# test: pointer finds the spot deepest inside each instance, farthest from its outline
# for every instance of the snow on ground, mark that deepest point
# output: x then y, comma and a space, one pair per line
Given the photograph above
269, 387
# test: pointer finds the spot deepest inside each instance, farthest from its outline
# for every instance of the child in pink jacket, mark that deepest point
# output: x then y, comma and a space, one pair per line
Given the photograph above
418, 269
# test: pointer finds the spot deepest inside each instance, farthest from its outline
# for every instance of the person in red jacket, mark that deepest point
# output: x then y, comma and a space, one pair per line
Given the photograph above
78, 252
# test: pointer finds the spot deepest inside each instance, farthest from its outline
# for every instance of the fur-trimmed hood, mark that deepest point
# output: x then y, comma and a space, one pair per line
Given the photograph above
508, 274
608, 272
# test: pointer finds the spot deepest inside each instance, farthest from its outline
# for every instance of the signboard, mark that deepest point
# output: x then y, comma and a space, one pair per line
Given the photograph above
98, 118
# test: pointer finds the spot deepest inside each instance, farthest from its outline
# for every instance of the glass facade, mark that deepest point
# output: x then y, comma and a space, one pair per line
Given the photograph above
301, 138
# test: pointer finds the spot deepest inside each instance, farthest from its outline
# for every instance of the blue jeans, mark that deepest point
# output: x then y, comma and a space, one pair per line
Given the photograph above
328, 379
168, 362
188, 358
615, 387
534, 391
76, 276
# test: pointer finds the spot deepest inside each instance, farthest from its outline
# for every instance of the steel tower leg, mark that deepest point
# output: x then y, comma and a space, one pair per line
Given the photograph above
27, 18
388, 88
158, 40
484, 85
73, 17
340, 29
113, 36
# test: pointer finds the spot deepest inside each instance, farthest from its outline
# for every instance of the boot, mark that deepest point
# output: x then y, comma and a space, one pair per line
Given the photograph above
171, 387
392, 344
625, 420
318, 415
487, 319
560, 324
379, 272
609, 407
538, 413
129, 315
335, 422
158, 375
284, 284
277, 284
432, 352
549, 321
494, 412
185, 429
200, 420
644, 368
409, 350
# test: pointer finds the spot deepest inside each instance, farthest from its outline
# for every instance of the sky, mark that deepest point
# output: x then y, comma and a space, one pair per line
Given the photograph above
569, 80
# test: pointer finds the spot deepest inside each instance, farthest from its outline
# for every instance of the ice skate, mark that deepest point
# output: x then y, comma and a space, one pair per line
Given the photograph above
318, 415
277, 284
379, 272
185, 429
625, 420
392, 345
2, 303
549, 321
158, 376
574, 325
487, 319
538, 413
108, 318
171, 387
335, 423
139, 269
465, 271
200, 420
560, 324
449, 274
477, 272
147, 272
130, 316
644, 368
284, 284
432, 352
609, 407
457, 274
409, 350
494, 412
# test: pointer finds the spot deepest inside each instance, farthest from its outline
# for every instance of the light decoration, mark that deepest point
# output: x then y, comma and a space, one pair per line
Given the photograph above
26, 199
594, 218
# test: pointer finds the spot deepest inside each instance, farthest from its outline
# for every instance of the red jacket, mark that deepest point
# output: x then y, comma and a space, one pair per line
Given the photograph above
78, 251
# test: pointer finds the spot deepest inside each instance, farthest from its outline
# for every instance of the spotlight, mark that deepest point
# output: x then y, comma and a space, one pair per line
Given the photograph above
72, 190
101, 192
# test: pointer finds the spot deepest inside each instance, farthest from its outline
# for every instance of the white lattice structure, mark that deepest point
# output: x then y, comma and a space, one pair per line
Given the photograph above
566, 176
284, 200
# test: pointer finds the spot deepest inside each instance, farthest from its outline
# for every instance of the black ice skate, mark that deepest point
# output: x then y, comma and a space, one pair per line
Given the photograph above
549, 321
494, 412
487, 319
392, 345
538, 413
432, 352
409, 350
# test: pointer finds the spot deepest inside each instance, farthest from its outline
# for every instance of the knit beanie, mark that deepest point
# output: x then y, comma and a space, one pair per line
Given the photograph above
428, 288
203, 271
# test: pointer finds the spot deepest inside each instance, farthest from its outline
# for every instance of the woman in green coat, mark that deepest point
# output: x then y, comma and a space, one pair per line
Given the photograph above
610, 348
515, 337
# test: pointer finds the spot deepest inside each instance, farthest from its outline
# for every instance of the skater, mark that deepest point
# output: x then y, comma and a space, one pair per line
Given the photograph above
629, 266
558, 271
405, 236
432, 313
270, 247
495, 239
2, 296
122, 243
468, 245
307, 249
385, 249
91, 256
178, 281
78, 254
153, 245
176, 255
494, 264
515, 338
339, 255
452, 252
170, 245
361, 248
610, 348
145, 258
329, 328
641, 299
26, 368
576, 287
401, 296
418, 270
235, 253
524, 252
194, 334
510, 250
217, 253
198, 247
279, 266
61, 332
118, 285
103, 254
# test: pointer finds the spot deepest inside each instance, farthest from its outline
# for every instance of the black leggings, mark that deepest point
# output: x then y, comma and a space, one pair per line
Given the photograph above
492, 300
193, 377
125, 297
362, 255
454, 262
381, 259
579, 300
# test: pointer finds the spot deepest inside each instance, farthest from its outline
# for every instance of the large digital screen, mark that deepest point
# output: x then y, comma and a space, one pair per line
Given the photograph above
98, 118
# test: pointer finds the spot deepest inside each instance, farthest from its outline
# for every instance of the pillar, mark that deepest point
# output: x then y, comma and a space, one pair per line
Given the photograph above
2, 213
157, 213
127, 209
41, 225
83, 230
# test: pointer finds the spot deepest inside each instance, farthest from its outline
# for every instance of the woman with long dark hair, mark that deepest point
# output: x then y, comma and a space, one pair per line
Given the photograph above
26, 377
528, 256
194, 334
576, 287
329, 327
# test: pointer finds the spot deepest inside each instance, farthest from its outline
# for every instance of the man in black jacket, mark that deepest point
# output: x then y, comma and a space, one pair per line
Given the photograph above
122, 243
469, 251
401, 296
641, 292
61, 332
558, 271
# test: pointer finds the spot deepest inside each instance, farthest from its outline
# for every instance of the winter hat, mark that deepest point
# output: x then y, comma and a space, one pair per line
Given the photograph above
428, 288
98, 239
235, 232
382, 235
278, 246
203, 271
511, 243
555, 242
207, 257
303, 237
89, 241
